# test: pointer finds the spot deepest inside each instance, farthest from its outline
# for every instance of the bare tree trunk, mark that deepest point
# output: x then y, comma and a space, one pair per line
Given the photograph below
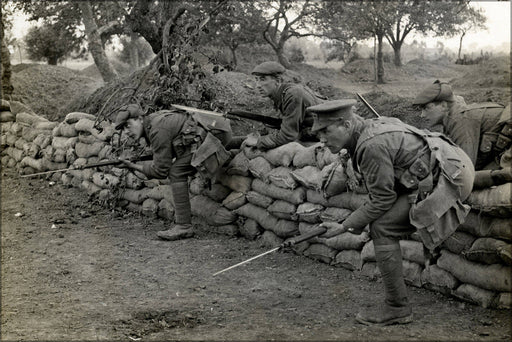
397, 54
96, 49
460, 45
6, 88
375, 58
282, 58
233, 57
380, 63
134, 52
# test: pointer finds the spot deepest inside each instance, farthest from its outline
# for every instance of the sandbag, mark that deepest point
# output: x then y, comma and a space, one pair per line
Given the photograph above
282, 228
90, 187
43, 140
436, 279
413, 251
259, 167
309, 212
490, 277
150, 207
132, 181
59, 155
239, 165
283, 155
29, 133
63, 142
349, 259
33, 163
161, 191
217, 192
49, 165
212, 212
270, 239
19, 143
258, 199
105, 180
88, 150
333, 214
46, 126
321, 253
105, 132
458, 242
5, 105
134, 196
412, 273
281, 177
250, 229
18, 107
65, 130
7, 116
309, 176
496, 201
165, 210
15, 153
295, 196
324, 156
283, 209
487, 226
504, 300
346, 241
490, 251
28, 118
334, 179
235, 183
16, 129
86, 138
475, 295
234, 200
6, 127
306, 156
348, 200
74, 117
228, 229
197, 185
370, 270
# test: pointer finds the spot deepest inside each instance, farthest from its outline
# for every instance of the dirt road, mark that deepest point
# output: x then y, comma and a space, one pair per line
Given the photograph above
74, 270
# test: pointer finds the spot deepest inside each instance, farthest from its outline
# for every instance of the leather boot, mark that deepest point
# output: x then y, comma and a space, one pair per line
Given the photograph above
182, 227
396, 309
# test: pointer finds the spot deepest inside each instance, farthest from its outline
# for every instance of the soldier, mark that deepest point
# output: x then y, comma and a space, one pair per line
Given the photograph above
182, 143
415, 179
482, 130
291, 99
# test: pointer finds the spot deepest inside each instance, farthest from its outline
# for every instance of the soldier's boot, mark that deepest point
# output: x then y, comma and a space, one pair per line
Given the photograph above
395, 309
182, 228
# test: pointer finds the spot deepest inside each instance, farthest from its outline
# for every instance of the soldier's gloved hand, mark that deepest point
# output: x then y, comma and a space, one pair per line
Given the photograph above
333, 229
250, 141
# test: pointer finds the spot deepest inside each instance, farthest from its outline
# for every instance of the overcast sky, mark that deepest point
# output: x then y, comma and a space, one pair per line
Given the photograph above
496, 37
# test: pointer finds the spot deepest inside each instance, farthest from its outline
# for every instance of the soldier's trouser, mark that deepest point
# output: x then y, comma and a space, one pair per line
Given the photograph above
395, 223
180, 170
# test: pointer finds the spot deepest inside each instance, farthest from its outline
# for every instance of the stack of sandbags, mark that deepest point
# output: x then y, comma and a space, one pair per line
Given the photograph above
475, 263
24, 139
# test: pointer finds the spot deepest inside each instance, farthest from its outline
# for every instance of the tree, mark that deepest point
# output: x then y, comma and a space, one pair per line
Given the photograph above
101, 20
471, 18
425, 17
288, 19
5, 66
239, 23
50, 42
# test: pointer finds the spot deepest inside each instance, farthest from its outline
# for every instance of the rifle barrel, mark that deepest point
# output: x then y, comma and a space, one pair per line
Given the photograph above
367, 105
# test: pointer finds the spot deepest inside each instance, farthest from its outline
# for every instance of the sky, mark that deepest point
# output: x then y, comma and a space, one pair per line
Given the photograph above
497, 36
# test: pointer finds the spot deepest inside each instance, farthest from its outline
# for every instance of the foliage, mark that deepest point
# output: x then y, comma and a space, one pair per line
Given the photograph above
50, 43
135, 45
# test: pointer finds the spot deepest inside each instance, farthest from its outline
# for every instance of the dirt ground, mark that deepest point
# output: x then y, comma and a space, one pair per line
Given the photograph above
75, 270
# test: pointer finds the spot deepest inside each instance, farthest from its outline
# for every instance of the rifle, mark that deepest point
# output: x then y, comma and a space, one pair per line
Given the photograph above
293, 241
363, 100
88, 166
236, 115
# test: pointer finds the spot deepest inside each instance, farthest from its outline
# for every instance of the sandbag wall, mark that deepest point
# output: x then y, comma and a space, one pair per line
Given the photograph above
271, 196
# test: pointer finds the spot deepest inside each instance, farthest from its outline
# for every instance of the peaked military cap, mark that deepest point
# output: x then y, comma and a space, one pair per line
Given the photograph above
437, 91
326, 113
268, 68
127, 112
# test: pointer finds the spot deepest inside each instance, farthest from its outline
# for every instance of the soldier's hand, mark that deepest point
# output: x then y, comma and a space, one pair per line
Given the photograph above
333, 229
126, 163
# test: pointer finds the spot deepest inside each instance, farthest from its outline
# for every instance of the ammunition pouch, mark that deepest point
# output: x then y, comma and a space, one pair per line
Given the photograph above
210, 156
190, 137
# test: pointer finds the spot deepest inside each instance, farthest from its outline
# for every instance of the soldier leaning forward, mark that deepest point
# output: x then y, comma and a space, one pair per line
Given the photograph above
291, 99
482, 130
182, 143
416, 179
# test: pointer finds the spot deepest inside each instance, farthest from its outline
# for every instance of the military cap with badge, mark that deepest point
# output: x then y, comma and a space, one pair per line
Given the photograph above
327, 113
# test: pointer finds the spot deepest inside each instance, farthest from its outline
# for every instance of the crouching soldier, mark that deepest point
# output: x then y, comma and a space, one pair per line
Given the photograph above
417, 180
291, 99
482, 130
182, 143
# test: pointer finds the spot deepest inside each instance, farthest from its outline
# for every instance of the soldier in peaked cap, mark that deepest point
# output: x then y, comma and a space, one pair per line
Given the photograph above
416, 180
182, 144
482, 130
291, 99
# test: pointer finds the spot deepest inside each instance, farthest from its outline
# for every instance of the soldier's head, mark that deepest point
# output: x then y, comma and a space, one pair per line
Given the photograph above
435, 102
130, 116
335, 123
269, 75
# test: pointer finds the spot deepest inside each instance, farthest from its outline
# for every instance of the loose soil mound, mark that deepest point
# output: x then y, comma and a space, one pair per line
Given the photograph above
48, 89
494, 72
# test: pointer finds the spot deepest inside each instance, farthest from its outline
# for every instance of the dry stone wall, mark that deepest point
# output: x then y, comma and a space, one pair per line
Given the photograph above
273, 196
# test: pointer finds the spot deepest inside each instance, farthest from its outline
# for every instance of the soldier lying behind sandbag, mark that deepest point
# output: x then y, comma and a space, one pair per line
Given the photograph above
182, 143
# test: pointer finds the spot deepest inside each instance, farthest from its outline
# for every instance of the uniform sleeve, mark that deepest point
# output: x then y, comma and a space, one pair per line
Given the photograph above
292, 116
161, 144
465, 132
376, 165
